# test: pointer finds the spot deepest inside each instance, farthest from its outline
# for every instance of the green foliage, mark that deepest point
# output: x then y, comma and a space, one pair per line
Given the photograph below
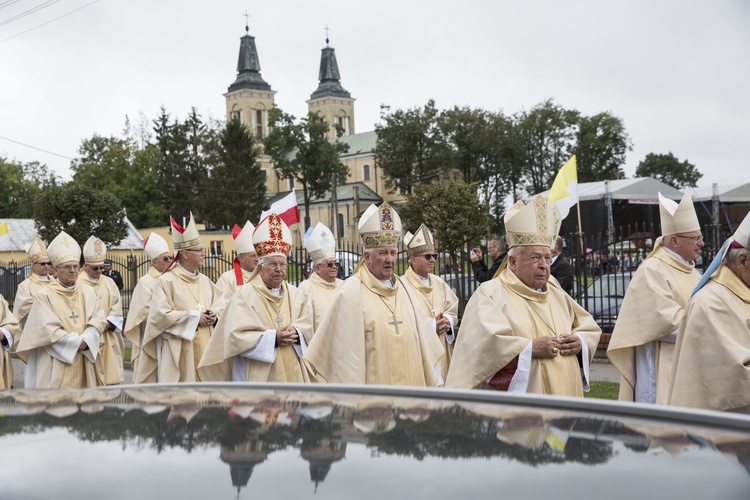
20, 183
601, 147
81, 212
668, 169
301, 150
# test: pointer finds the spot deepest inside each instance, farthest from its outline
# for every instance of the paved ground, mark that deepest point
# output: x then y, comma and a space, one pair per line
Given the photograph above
601, 370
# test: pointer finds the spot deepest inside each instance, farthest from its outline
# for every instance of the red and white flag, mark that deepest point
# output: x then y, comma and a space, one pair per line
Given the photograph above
285, 208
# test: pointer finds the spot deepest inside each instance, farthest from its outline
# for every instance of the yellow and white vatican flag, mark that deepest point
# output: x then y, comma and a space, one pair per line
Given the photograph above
4, 236
564, 193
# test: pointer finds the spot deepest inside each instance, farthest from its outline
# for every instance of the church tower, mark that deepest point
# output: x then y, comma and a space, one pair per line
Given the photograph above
330, 100
250, 98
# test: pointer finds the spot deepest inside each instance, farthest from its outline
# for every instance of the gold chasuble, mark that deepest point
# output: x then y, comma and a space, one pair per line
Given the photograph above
501, 319
653, 307
227, 283
177, 300
142, 362
252, 311
373, 334
25, 294
109, 364
59, 316
320, 293
9, 323
711, 369
437, 297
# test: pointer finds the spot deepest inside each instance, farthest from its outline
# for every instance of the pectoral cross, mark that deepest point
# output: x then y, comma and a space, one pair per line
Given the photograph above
395, 322
199, 307
278, 320
73, 316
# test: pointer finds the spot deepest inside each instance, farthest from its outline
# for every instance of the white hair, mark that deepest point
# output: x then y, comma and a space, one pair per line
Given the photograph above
730, 259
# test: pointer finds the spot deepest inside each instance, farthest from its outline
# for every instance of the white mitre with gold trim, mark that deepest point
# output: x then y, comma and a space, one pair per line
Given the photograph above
320, 243
272, 237
243, 238
63, 249
531, 225
380, 227
185, 237
155, 245
36, 250
420, 242
742, 234
676, 219
94, 251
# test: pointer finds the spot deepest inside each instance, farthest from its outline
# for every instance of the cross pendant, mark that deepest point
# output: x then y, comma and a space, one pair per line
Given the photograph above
73, 316
395, 322
199, 307
278, 320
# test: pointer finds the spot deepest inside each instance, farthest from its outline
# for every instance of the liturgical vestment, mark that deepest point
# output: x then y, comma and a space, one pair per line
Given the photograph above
142, 362
642, 343
227, 283
243, 346
9, 329
109, 364
320, 293
25, 294
711, 369
375, 334
177, 300
59, 320
502, 318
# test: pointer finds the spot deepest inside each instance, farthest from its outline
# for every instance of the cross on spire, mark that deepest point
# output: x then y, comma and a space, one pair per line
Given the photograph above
327, 30
247, 22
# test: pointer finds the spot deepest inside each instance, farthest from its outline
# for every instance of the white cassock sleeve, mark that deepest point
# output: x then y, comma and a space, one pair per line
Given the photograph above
91, 336
302, 346
264, 351
584, 364
187, 326
670, 337
66, 348
520, 380
8, 338
450, 337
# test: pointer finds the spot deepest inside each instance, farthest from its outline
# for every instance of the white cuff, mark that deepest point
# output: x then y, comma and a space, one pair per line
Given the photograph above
66, 348
520, 380
584, 364
264, 350
92, 337
8, 337
302, 346
450, 337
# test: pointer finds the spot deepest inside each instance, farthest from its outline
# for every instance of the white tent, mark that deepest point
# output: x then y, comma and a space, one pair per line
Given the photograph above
640, 190
728, 193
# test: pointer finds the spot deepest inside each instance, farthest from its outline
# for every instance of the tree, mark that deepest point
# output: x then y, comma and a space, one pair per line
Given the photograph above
668, 169
410, 147
601, 147
20, 184
237, 184
468, 136
173, 173
301, 150
454, 214
81, 212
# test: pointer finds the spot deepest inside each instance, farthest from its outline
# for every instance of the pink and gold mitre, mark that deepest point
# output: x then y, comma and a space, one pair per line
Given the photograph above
155, 245
676, 219
94, 251
185, 237
320, 243
272, 237
243, 238
419, 243
534, 224
36, 250
380, 227
63, 249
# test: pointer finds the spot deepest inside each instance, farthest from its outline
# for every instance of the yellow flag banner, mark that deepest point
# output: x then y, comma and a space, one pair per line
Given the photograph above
4, 236
564, 193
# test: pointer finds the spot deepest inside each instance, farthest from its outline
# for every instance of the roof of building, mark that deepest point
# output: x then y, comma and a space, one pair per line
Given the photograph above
22, 231
329, 77
248, 68
728, 193
359, 144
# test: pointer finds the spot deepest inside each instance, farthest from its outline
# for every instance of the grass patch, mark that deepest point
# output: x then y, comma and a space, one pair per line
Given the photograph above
126, 355
603, 390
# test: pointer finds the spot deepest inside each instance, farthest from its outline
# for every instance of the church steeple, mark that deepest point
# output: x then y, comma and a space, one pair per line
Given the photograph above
329, 75
248, 66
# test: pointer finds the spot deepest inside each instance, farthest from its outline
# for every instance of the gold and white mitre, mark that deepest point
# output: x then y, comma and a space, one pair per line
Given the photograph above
380, 227
320, 243
272, 237
185, 237
94, 251
419, 243
63, 249
36, 250
534, 224
243, 238
155, 245
676, 219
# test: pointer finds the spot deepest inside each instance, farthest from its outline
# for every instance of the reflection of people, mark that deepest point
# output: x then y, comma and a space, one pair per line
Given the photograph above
115, 275
322, 284
710, 359
496, 251
109, 364
60, 342
185, 306
9, 328
265, 326
642, 343
434, 295
243, 265
561, 268
143, 362
375, 333
518, 332
39, 278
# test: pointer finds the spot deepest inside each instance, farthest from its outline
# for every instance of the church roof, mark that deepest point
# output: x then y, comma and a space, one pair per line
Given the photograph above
248, 67
329, 77
359, 144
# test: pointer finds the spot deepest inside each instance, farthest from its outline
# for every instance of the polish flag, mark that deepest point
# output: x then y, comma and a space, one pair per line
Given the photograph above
285, 208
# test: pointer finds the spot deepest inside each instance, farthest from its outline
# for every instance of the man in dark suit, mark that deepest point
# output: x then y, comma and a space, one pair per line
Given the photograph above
497, 252
115, 275
561, 268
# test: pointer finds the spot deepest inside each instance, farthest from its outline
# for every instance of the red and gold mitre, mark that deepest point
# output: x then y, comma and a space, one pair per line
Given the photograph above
272, 237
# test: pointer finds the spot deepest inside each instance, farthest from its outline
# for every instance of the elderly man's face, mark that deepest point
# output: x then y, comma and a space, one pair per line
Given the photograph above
162, 262
687, 245
273, 271
67, 272
248, 261
423, 264
94, 270
381, 262
327, 270
532, 266
192, 258
42, 267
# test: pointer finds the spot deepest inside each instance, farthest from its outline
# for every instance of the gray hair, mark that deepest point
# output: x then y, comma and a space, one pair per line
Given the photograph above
733, 254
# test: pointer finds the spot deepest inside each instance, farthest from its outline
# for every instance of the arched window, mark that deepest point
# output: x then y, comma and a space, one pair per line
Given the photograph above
365, 172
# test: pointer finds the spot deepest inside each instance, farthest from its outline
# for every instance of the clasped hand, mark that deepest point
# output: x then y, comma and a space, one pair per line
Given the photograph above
287, 335
551, 346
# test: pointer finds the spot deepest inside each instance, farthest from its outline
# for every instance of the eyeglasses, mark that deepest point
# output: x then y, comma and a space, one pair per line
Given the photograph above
428, 256
694, 238
69, 268
96, 268
44, 263
196, 250
331, 265
276, 265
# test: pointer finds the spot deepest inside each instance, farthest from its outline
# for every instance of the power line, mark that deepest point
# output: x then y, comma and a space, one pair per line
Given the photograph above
50, 21
8, 3
32, 10
38, 149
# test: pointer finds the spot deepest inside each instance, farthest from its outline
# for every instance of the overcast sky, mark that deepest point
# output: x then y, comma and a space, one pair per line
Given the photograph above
677, 72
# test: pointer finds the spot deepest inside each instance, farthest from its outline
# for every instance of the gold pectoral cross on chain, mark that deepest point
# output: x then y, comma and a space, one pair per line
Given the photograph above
278, 320
73, 316
395, 322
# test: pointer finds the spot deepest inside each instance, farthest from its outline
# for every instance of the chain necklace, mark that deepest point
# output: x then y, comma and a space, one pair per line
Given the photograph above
543, 320
395, 322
